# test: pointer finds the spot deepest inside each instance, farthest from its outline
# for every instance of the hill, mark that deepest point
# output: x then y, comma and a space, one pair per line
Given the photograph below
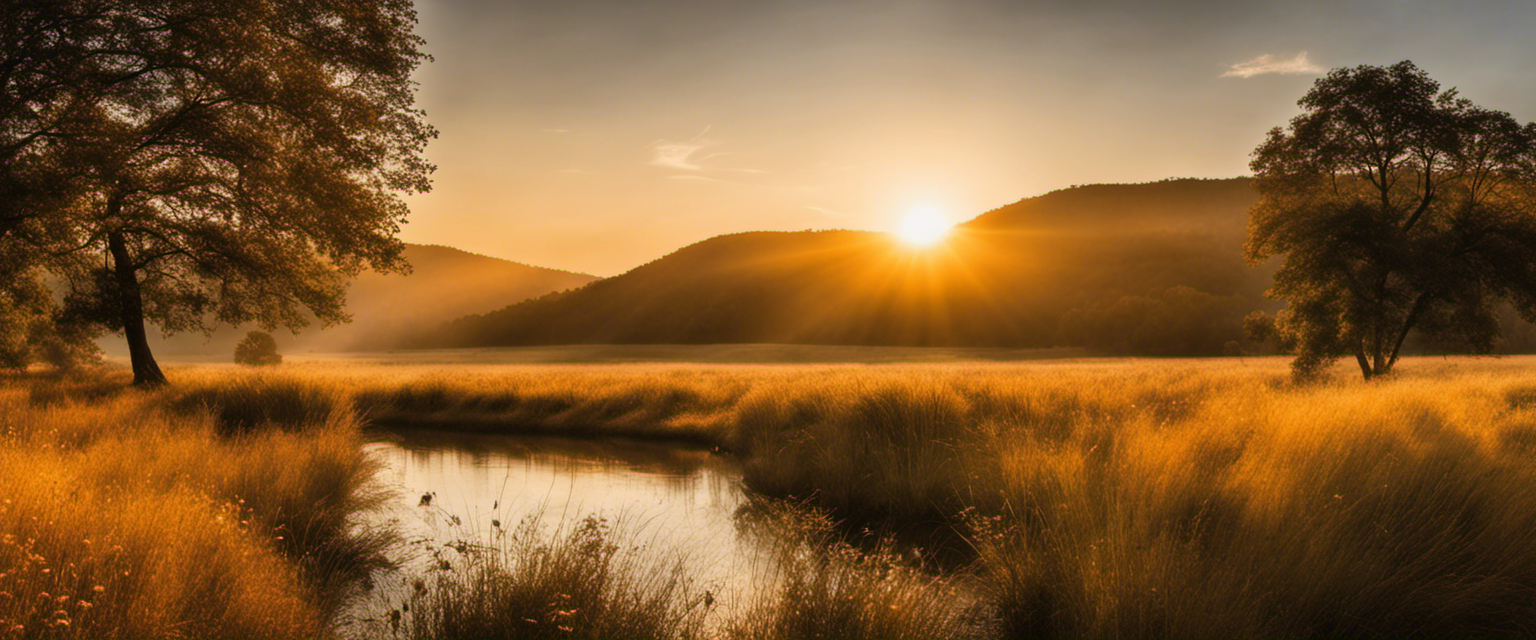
1147, 268
445, 283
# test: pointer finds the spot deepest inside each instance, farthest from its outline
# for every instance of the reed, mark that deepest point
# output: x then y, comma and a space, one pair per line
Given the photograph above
527, 583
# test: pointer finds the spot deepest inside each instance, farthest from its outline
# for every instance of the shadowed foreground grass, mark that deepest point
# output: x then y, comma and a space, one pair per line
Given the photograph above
165, 514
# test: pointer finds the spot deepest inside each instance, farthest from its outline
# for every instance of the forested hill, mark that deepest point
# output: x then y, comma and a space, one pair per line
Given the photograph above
1187, 205
445, 283
1144, 268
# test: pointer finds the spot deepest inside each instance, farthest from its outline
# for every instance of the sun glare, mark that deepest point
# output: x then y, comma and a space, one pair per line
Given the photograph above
923, 227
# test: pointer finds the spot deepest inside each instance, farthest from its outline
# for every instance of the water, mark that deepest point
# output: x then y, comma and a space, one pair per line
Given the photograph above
660, 496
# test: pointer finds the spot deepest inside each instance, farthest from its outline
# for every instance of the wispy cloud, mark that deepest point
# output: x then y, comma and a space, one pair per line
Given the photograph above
691, 177
680, 155
1270, 64
689, 155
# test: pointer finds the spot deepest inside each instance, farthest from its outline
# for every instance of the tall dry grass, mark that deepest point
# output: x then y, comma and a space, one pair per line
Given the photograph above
582, 581
1102, 499
165, 514
821, 587
1115, 499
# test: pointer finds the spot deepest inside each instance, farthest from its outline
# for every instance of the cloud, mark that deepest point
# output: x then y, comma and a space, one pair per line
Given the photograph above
698, 178
685, 155
1269, 64
676, 155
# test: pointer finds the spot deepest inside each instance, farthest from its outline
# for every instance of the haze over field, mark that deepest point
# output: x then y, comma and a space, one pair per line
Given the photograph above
444, 284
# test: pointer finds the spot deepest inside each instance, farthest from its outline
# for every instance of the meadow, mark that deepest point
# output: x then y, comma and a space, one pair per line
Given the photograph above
1088, 498
129, 514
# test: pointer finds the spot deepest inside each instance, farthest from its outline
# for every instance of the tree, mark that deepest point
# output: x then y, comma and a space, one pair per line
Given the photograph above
1398, 207
258, 349
198, 163
32, 328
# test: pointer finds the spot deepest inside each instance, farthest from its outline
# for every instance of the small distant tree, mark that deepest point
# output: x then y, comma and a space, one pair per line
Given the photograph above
258, 349
1398, 207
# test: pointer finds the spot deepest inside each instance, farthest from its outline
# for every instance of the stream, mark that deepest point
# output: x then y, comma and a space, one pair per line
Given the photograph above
454, 486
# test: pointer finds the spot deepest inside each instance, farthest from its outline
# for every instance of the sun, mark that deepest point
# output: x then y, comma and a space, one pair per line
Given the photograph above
923, 227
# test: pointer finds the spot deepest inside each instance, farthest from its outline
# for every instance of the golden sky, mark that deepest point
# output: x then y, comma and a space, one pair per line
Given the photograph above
596, 135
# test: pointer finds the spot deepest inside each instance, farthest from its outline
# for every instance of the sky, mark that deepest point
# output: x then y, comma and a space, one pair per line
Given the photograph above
597, 135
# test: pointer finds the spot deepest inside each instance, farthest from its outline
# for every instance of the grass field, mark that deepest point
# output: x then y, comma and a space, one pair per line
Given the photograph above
158, 515
1113, 498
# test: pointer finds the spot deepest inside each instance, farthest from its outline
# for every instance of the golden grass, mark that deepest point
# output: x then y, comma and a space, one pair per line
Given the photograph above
1112, 498
585, 581
128, 514
1103, 498
823, 588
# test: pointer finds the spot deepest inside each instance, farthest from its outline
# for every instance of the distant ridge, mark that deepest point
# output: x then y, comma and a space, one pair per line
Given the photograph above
420, 249
445, 283
1149, 264
1173, 204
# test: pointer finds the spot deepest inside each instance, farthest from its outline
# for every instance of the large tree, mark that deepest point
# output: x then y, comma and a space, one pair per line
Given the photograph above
190, 162
1398, 207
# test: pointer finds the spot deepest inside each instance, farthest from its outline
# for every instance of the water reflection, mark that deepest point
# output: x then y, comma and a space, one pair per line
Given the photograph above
661, 496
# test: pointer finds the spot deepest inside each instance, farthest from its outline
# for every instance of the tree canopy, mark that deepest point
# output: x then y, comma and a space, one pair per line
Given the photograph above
195, 163
258, 349
1398, 207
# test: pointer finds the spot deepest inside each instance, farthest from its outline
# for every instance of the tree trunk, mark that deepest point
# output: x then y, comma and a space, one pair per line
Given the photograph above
146, 373
1365, 364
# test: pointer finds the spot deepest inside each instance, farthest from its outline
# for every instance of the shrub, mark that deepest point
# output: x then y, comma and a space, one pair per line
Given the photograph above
258, 349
